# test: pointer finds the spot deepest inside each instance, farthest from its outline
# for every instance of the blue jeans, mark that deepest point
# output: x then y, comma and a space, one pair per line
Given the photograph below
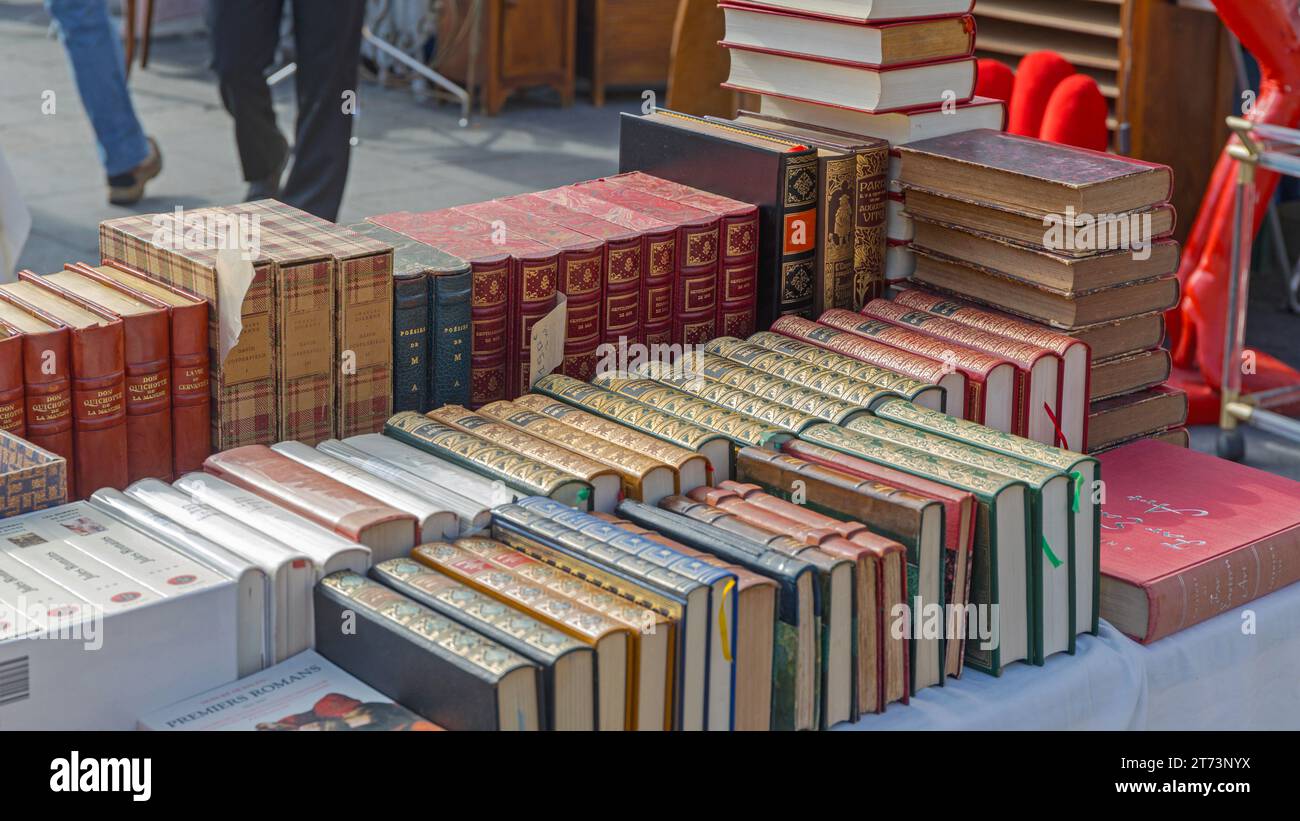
98, 66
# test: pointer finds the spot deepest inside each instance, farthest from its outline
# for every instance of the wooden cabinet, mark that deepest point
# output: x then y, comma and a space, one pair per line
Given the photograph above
625, 43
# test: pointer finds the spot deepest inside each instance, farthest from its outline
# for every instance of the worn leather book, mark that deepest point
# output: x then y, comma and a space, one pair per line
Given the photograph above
401, 648
13, 410
98, 385
721, 676
644, 478
191, 400
520, 473
581, 276
733, 399
1114, 420
1178, 437
714, 447
1129, 373
1038, 369
651, 687
732, 424
1037, 178
685, 601
737, 283
328, 502
567, 663
1188, 537
1128, 335
779, 176
808, 334
243, 405
695, 294
147, 357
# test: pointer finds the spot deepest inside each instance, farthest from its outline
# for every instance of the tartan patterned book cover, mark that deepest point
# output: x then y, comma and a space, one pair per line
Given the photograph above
244, 407
31, 478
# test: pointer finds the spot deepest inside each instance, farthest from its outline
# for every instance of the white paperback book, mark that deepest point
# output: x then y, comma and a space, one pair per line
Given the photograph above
255, 594
439, 471
291, 572
435, 522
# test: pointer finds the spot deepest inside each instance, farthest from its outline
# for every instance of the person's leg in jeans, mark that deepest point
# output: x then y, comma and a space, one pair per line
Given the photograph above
244, 37
98, 66
327, 34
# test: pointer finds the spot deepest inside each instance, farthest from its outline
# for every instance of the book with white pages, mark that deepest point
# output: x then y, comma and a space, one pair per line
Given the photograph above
438, 471
896, 128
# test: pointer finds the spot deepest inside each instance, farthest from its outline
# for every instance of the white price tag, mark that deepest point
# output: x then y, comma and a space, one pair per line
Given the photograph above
547, 352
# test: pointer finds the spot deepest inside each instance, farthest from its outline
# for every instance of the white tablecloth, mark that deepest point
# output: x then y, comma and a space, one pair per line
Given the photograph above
1214, 676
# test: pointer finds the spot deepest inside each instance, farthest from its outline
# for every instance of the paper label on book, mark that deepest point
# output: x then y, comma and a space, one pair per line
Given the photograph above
547, 351
234, 276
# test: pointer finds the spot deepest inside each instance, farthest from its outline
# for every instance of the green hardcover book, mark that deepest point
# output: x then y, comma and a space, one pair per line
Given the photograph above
822, 380
772, 388
742, 430
517, 472
1002, 532
930, 396
1084, 471
1051, 548
727, 397
716, 448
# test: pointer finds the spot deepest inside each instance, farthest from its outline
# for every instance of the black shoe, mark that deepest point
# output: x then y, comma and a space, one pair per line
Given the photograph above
268, 188
128, 188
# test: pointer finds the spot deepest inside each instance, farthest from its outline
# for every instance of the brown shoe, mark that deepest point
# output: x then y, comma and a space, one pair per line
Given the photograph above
128, 188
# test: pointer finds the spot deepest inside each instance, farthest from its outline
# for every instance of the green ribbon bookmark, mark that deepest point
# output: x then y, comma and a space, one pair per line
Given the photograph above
1051, 557
1078, 487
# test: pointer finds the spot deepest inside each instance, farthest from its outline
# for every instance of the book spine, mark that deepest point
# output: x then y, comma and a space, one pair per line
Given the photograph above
13, 415
624, 308
47, 388
658, 289
695, 308
1020, 331
363, 344
148, 396
535, 285
862, 350
582, 278
191, 388
793, 293
490, 319
99, 409
412, 365
451, 343
304, 347
836, 277
706, 414
871, 223
738, 276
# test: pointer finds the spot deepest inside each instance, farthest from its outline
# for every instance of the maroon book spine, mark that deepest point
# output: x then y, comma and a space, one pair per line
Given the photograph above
13, 415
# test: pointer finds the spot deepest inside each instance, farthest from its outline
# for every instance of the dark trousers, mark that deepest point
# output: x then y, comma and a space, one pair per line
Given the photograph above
327, 39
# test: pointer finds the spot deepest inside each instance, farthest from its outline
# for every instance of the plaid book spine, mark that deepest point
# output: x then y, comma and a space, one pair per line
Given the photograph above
31, 478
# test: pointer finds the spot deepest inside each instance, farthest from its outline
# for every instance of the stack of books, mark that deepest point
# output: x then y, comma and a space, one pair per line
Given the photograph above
1076, 241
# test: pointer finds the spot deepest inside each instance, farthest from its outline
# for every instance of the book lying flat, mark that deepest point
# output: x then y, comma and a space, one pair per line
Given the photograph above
1114, 420
1130, 372
897, 128
871, 10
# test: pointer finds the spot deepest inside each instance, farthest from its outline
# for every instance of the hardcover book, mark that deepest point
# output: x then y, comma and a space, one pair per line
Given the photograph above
772, 388
1130, 373
725, 396
1128, 335
866, 12
897, 128
47, 382
1115, 420
31, 478
13, 416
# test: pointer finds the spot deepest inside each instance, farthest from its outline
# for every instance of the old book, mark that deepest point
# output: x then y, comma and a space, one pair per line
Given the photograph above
1061, 310
191, 402
990, 379
412, 472
652, 632
98, 385
756, 599
412, 363
897, 128
1037, 388
1175, 554
689, 468
449, 673
1075, 359
643, 477
253, 591
714, 447
1178, 437
303, 694
780, 177
519, 473
338, 507
797, 672
695, 292
1033, 176
732, 399
1130, 372
794, 31
289, 571
821, 368
737, 284
433, 521
858, 212
13, 410
872, 11
147, 358
567, 662
1129, 335
736, 426
606, 482
1135, 258
243, 408
1114, 420
721, 676
809, 336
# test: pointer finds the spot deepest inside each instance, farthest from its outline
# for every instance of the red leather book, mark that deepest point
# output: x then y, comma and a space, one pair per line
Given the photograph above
191, 398
146, 335
1186, 536
96, 348
738, 245
695, 302
581, 277
933, 371
1037, 390
313, 495
990, 380
658, 253
13, 412
47, 380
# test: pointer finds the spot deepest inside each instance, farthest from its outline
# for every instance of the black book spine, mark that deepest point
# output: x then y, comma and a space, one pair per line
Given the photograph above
411, 360
451, 326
